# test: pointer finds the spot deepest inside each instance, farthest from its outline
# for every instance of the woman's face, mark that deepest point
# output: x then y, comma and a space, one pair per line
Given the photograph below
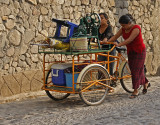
103, 20
126, 26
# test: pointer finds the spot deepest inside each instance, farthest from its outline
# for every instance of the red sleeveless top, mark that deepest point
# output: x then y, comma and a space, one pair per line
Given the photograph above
137, 44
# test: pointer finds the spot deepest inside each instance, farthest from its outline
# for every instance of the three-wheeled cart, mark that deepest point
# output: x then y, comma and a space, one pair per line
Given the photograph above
76, 70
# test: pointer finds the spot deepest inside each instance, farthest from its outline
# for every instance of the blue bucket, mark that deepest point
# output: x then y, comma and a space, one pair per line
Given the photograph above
69, 79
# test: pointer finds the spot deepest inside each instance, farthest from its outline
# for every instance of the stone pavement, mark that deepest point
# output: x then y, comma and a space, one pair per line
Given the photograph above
117, 109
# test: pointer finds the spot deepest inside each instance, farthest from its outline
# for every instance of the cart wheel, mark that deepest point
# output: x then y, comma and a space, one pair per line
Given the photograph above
96, 93
126, 82
52, 94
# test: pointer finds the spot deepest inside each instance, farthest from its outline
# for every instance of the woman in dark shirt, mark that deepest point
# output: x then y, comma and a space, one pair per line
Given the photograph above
105, 33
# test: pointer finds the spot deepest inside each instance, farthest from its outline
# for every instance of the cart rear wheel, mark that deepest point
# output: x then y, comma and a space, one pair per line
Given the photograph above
52, 94
93, 92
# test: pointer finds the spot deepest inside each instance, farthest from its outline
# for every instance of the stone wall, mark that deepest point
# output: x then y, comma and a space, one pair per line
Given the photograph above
25, 21
147, 15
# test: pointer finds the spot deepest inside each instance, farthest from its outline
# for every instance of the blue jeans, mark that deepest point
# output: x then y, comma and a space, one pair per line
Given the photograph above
104, 58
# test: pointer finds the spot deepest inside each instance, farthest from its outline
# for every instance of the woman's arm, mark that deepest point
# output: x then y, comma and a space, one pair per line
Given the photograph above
91, 40
133, 35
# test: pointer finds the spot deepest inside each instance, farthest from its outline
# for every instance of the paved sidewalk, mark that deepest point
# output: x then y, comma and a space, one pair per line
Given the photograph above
117, 109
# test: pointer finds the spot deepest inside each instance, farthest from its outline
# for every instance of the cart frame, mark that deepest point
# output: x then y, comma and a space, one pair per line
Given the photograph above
93, 60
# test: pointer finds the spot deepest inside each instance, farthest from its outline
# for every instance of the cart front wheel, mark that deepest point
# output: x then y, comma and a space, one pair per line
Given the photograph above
93, 79
52, 94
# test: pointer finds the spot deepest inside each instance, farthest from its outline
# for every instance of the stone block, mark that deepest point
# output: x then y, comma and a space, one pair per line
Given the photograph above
25, 87
85, 2
4, 1
73, 2
112, 3
119, 4
2, 27
18, 77
29, 74
29, 35
18, 69
44, 10
10, 51
1, 81
158, 71
39, 37
10, 24
36, 12
42, 1
34, 58
15, 37
78, 2
28, 61
5, 91
1, 53
23, 48
4, 18
148, 61
44, 33
33, 1
38, 75
11, 17
135, 3
12, 83
36, 85
34, 49
67, 3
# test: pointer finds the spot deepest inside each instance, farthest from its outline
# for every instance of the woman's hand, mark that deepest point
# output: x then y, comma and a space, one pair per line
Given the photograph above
116, 44
104, 41
101, 42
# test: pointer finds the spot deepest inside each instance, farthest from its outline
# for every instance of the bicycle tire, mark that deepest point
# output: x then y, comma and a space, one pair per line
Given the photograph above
57, 96
127, 83
95, 94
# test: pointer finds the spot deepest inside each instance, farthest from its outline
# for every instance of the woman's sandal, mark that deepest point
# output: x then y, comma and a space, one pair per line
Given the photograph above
133, 96
144, 91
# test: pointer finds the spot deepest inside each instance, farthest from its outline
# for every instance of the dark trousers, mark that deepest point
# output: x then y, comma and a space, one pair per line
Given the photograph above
136, 65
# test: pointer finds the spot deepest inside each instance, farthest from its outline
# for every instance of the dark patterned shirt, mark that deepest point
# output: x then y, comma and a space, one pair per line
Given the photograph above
106, 34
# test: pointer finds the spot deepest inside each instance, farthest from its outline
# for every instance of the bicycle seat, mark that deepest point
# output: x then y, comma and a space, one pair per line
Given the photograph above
119, 49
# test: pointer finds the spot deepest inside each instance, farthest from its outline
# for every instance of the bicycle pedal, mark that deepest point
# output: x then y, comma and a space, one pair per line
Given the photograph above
113, 84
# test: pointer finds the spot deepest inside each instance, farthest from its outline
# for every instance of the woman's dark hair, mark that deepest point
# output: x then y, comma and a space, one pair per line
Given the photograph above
105, 16
125, 19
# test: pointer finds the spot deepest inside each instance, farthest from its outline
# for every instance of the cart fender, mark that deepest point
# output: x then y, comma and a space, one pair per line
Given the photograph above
121, 67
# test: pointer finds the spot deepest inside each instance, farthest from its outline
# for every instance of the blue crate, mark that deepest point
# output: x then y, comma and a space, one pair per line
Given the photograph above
69, 79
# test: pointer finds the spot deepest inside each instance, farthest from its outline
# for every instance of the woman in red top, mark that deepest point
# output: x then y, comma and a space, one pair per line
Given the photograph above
136, 52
